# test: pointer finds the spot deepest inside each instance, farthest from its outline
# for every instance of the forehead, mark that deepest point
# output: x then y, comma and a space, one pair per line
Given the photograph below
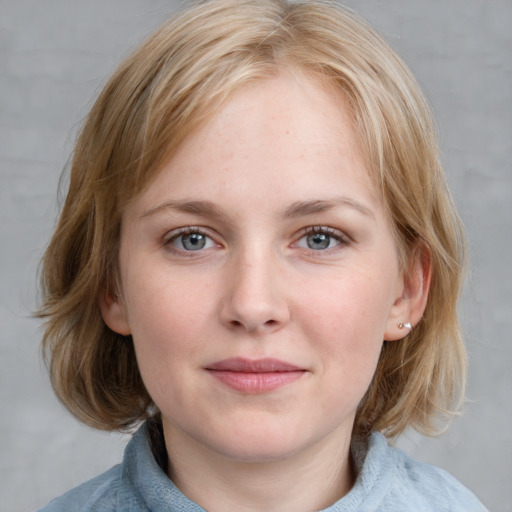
304, 108
290, 133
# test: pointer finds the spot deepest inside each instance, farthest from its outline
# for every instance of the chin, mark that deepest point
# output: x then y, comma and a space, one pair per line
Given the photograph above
258, 452
259, 444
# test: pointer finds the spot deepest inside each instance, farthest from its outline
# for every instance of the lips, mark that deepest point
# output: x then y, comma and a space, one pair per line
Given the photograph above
254, 376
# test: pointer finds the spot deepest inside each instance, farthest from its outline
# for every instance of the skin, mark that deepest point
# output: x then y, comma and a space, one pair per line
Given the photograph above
253, 184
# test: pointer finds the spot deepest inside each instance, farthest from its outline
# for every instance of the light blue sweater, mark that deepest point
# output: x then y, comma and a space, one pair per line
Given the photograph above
388, 481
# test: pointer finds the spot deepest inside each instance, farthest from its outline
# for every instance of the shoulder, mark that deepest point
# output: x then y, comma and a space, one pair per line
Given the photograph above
388, 480
430, 488
98, 494
137, 484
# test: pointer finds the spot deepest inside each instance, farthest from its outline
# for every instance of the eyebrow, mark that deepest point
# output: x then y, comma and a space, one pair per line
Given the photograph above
200, 208
304, 208
295, 210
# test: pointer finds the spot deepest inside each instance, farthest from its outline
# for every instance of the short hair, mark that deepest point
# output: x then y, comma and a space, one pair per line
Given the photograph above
179, 77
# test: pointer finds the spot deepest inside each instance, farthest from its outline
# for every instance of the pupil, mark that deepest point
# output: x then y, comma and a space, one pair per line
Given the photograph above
194, 241
318, 241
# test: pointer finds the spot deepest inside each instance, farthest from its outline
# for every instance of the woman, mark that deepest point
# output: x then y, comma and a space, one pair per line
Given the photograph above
259, 258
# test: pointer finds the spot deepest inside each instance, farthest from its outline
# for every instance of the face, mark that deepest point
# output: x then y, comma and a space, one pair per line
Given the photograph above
259, 277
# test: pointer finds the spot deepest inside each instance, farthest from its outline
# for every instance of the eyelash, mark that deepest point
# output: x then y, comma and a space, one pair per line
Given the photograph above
188, 230
341, 238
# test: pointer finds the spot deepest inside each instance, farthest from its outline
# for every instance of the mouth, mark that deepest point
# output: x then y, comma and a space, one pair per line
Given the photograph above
254, 376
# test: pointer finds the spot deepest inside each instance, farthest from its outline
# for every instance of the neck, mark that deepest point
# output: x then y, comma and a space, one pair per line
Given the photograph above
310, 480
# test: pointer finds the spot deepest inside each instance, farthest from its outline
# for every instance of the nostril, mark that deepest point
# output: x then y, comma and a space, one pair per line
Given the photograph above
240, 324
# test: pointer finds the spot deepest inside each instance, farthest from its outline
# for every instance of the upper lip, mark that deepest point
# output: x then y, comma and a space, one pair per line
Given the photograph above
240, 364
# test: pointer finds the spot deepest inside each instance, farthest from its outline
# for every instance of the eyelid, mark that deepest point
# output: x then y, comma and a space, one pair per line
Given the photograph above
338, 235
185, 230
168, 239
328, 230
174, 234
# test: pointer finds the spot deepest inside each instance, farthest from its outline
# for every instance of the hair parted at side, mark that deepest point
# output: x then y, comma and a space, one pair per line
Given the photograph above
173, 82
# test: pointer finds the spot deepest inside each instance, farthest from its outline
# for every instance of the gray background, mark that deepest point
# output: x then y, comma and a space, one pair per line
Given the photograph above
54, 56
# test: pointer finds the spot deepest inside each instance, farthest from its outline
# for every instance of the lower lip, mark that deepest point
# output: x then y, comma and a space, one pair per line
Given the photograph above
256, 382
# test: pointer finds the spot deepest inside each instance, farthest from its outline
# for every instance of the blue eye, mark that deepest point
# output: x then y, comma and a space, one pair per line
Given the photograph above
319, 239
191, 241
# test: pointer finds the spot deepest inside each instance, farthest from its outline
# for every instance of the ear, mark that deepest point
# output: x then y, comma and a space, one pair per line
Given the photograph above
113, 311
412, 294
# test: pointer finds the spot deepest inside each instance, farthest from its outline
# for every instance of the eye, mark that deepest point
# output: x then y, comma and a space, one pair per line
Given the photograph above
190, 239
320, 238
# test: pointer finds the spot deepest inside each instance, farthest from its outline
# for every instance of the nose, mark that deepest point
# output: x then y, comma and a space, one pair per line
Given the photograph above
254, 300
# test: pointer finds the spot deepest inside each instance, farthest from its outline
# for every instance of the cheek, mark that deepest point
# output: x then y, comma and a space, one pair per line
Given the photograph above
353, 309
164, 319
159, 297
346, 320
165, 337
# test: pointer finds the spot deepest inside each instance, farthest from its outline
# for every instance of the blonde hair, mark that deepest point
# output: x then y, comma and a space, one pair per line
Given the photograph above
179, 77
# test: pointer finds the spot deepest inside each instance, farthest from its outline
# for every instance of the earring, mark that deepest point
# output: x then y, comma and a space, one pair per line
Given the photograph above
402, 325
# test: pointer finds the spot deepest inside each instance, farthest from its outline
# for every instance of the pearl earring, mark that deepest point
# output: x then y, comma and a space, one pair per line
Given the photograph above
402, 325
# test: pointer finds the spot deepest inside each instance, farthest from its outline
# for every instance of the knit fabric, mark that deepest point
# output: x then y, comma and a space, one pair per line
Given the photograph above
388, 481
